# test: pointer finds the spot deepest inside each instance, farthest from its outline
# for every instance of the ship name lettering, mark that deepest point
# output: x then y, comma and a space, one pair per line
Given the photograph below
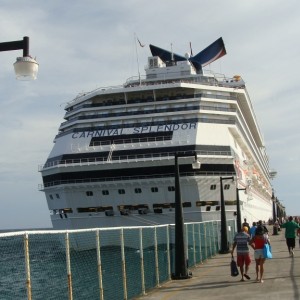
143, 129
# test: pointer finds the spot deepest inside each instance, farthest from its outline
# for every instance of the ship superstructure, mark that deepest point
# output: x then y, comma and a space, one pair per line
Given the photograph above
112, 163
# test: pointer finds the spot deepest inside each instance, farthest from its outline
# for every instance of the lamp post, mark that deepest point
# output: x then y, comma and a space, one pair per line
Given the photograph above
26, 67
181, 271
224, 240
238, 210
274, 207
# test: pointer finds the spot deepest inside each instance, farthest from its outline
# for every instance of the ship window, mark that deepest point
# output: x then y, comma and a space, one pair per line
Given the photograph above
121, 191
213, 187
171, 188
226, 186
51, 197
163, 205
137, 190
129, 207
206, 203
186, 204
233, 202
105, 192
154, 189
94, 209
62, 211
89, 193
57, 196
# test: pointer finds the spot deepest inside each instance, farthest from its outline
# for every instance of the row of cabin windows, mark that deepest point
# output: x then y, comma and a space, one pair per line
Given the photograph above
138, 191
141, 208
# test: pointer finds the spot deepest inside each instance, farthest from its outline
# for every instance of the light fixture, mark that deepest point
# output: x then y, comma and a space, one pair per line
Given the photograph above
196, 163
26, 67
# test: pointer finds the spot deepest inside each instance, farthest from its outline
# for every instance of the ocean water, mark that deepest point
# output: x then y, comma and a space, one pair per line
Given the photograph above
49, 272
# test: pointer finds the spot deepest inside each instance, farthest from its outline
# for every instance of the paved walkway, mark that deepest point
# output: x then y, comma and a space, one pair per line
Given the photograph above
211, 280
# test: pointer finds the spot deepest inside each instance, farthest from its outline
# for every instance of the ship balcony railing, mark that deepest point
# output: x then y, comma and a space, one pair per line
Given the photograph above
198, 97
197, 173
209, 78
214, 79
149, 112
123, 158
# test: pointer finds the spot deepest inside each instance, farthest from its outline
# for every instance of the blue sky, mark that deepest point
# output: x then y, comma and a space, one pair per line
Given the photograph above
83, 45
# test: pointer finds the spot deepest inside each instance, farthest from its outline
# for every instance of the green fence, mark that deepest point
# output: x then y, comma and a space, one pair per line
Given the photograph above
114, 263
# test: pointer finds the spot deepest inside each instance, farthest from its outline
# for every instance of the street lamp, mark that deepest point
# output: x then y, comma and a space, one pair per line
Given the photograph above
224, 241
274, 207
238, 210
26, 67
181, 271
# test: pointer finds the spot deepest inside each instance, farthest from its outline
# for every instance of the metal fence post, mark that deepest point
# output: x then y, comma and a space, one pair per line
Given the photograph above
123, 263
69, 274
142, 262
156, 258
27, 266
99, 264
168, 251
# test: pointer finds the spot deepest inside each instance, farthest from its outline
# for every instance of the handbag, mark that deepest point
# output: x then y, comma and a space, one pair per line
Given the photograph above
233, 267
267, 251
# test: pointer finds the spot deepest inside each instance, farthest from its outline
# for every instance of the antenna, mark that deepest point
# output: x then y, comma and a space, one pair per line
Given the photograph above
137, 57
172, 54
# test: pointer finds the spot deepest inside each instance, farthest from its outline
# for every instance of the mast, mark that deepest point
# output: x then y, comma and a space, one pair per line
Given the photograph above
137, 58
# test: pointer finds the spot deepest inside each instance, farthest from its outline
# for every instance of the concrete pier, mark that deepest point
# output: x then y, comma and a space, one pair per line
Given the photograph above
211, 280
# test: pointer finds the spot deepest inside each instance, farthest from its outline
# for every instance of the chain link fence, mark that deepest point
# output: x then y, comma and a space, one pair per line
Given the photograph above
111, 263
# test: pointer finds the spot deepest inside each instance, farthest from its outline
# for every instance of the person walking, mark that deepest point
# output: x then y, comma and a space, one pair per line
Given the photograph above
298, 234
290, 234
246, 224
259, 240
261, 225
242, 241
253, 229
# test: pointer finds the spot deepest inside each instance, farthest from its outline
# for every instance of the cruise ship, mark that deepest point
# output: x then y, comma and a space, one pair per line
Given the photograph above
113, 162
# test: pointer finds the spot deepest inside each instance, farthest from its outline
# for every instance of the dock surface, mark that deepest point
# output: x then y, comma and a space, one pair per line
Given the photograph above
211, 280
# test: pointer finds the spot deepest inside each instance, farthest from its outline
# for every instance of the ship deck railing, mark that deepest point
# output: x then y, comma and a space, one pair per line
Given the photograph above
218, 174
121, 159
213, 79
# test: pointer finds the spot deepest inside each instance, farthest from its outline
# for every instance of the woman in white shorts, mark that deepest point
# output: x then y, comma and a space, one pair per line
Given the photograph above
259, 240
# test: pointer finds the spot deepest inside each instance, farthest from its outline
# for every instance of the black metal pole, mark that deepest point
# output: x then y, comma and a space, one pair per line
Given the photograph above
224, 240
274, 207
181, 271
238, 210
16, 45
25, 46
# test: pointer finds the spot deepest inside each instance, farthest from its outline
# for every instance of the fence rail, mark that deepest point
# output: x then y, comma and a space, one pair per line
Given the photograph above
106, 263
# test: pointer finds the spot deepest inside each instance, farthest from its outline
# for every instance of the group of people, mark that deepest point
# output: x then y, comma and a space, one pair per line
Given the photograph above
256, 237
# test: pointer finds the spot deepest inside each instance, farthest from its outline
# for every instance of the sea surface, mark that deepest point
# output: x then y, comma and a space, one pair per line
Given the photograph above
48, 270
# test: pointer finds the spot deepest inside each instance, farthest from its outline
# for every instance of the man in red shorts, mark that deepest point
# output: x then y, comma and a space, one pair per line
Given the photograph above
242, 241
